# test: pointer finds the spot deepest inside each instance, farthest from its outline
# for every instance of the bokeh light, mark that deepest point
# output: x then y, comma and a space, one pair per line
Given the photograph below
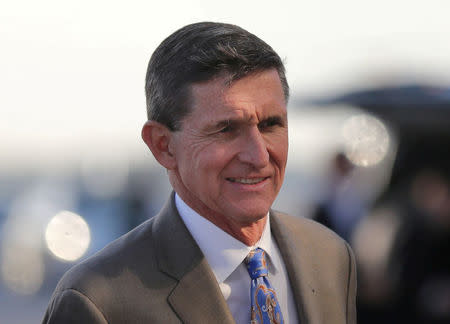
67, 236
22, 268
366, 140
22, 263
372, 242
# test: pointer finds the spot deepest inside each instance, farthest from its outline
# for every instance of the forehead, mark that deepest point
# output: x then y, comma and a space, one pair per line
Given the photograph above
257, 95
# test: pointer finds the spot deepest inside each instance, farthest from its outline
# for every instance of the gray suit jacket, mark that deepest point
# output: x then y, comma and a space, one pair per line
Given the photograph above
157, 274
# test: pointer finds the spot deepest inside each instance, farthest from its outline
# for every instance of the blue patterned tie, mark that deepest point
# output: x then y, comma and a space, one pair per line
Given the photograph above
265, 307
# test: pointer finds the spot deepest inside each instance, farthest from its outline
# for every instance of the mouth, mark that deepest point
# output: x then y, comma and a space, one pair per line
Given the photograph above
247, 181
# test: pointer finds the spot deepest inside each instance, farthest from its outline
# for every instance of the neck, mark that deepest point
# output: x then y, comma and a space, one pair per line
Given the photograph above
248, 234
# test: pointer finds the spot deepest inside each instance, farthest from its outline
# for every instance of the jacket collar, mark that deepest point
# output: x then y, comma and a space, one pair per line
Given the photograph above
197, 297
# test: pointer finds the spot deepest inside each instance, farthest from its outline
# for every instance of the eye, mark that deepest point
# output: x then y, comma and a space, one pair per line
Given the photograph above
226, 129
270, 123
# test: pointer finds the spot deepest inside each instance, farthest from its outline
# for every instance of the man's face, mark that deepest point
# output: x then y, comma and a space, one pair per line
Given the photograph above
231, 150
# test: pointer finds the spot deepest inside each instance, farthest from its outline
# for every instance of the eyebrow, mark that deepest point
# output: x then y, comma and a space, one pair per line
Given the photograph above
222, 124
276, 119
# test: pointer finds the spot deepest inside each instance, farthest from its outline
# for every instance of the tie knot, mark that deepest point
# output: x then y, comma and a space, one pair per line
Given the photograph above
256, 263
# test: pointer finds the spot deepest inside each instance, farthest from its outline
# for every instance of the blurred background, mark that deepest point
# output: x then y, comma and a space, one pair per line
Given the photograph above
369, 122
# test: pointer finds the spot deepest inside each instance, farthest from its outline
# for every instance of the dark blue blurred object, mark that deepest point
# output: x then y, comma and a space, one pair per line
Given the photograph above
418, 114
408, 108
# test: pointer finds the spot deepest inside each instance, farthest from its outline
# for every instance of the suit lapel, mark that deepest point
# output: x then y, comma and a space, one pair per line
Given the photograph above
197, 297
300, 265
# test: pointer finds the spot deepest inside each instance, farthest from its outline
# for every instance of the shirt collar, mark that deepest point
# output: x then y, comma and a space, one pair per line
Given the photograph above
223, 252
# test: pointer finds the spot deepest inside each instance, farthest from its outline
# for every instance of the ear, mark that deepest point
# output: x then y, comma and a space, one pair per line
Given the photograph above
158, 138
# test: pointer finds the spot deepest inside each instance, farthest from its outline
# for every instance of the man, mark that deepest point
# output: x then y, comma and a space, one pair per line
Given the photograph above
216, 99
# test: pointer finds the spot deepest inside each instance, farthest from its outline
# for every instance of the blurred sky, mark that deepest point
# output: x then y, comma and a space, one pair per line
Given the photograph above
72, 72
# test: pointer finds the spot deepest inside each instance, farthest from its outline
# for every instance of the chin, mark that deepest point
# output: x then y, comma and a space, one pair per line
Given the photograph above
246, 208
250, 215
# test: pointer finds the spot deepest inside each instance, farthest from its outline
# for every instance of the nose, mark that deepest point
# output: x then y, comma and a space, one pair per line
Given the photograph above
253, 149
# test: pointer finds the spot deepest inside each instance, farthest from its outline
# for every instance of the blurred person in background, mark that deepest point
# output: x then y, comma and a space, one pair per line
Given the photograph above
403, 251
343, 206
421, 251
216, 100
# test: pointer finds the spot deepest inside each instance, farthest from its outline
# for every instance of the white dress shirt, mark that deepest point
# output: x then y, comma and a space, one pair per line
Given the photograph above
226, 255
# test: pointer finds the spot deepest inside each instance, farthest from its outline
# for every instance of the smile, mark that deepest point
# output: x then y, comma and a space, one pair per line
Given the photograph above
246, 180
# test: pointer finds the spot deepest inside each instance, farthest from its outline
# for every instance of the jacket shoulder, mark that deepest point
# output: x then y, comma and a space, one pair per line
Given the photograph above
324, 269
122, 276
311, 242
113, 260
307, 228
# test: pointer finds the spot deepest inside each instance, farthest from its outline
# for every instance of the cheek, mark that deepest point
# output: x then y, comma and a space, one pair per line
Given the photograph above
277, 137
212, 159
284, 153
278, 148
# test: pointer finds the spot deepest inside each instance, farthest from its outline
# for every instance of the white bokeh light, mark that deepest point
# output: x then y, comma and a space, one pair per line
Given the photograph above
22, 268
366, 140
67, 236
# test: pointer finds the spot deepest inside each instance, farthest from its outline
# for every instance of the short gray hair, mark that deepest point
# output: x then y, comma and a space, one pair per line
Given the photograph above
199, 52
